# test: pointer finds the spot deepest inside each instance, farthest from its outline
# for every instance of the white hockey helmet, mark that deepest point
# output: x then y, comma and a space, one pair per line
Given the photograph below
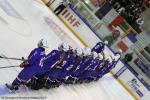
106, 42
117, 57
43, 43
100, 56
86, 51
110, 59
94, 54
63, 46
78, 51
106, 55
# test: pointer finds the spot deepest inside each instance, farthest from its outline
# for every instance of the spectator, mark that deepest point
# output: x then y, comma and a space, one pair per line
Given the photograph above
128, 57
61, 7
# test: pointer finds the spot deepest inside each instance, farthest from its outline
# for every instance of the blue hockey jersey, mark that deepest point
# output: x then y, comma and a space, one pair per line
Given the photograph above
35, 56
83, 66
78, 61
99, 47
97, 72
90, 69
60, 70
106, 67
53, 58
33, 60
109, 67
68, 66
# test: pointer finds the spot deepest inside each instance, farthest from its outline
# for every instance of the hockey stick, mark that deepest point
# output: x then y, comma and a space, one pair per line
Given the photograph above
10, 58
9, 66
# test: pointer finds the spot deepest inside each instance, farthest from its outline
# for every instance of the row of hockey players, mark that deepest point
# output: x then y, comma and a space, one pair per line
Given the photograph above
63, 66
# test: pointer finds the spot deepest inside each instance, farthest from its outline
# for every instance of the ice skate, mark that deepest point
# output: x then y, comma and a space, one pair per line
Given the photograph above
12, 88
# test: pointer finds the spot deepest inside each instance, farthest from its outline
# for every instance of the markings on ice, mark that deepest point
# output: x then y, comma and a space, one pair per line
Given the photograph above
5, 91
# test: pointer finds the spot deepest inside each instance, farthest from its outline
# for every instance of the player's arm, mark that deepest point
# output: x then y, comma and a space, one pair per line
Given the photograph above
54, 55
36, 54
31, 59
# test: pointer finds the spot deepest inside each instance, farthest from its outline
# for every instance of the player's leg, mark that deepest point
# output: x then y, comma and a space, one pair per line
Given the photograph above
24, 77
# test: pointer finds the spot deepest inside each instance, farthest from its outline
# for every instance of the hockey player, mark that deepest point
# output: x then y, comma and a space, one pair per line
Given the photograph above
87, 58
99, 47
77, 61
67, 67
91, 68
50, 66
104, 62
54, 79
105, 69
95, 75
111, 65
30, 66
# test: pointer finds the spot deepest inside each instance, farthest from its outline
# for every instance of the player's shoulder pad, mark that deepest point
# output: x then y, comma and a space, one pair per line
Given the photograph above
54, 52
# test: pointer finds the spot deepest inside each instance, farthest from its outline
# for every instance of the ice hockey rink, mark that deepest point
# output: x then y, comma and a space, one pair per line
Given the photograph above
22, 24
